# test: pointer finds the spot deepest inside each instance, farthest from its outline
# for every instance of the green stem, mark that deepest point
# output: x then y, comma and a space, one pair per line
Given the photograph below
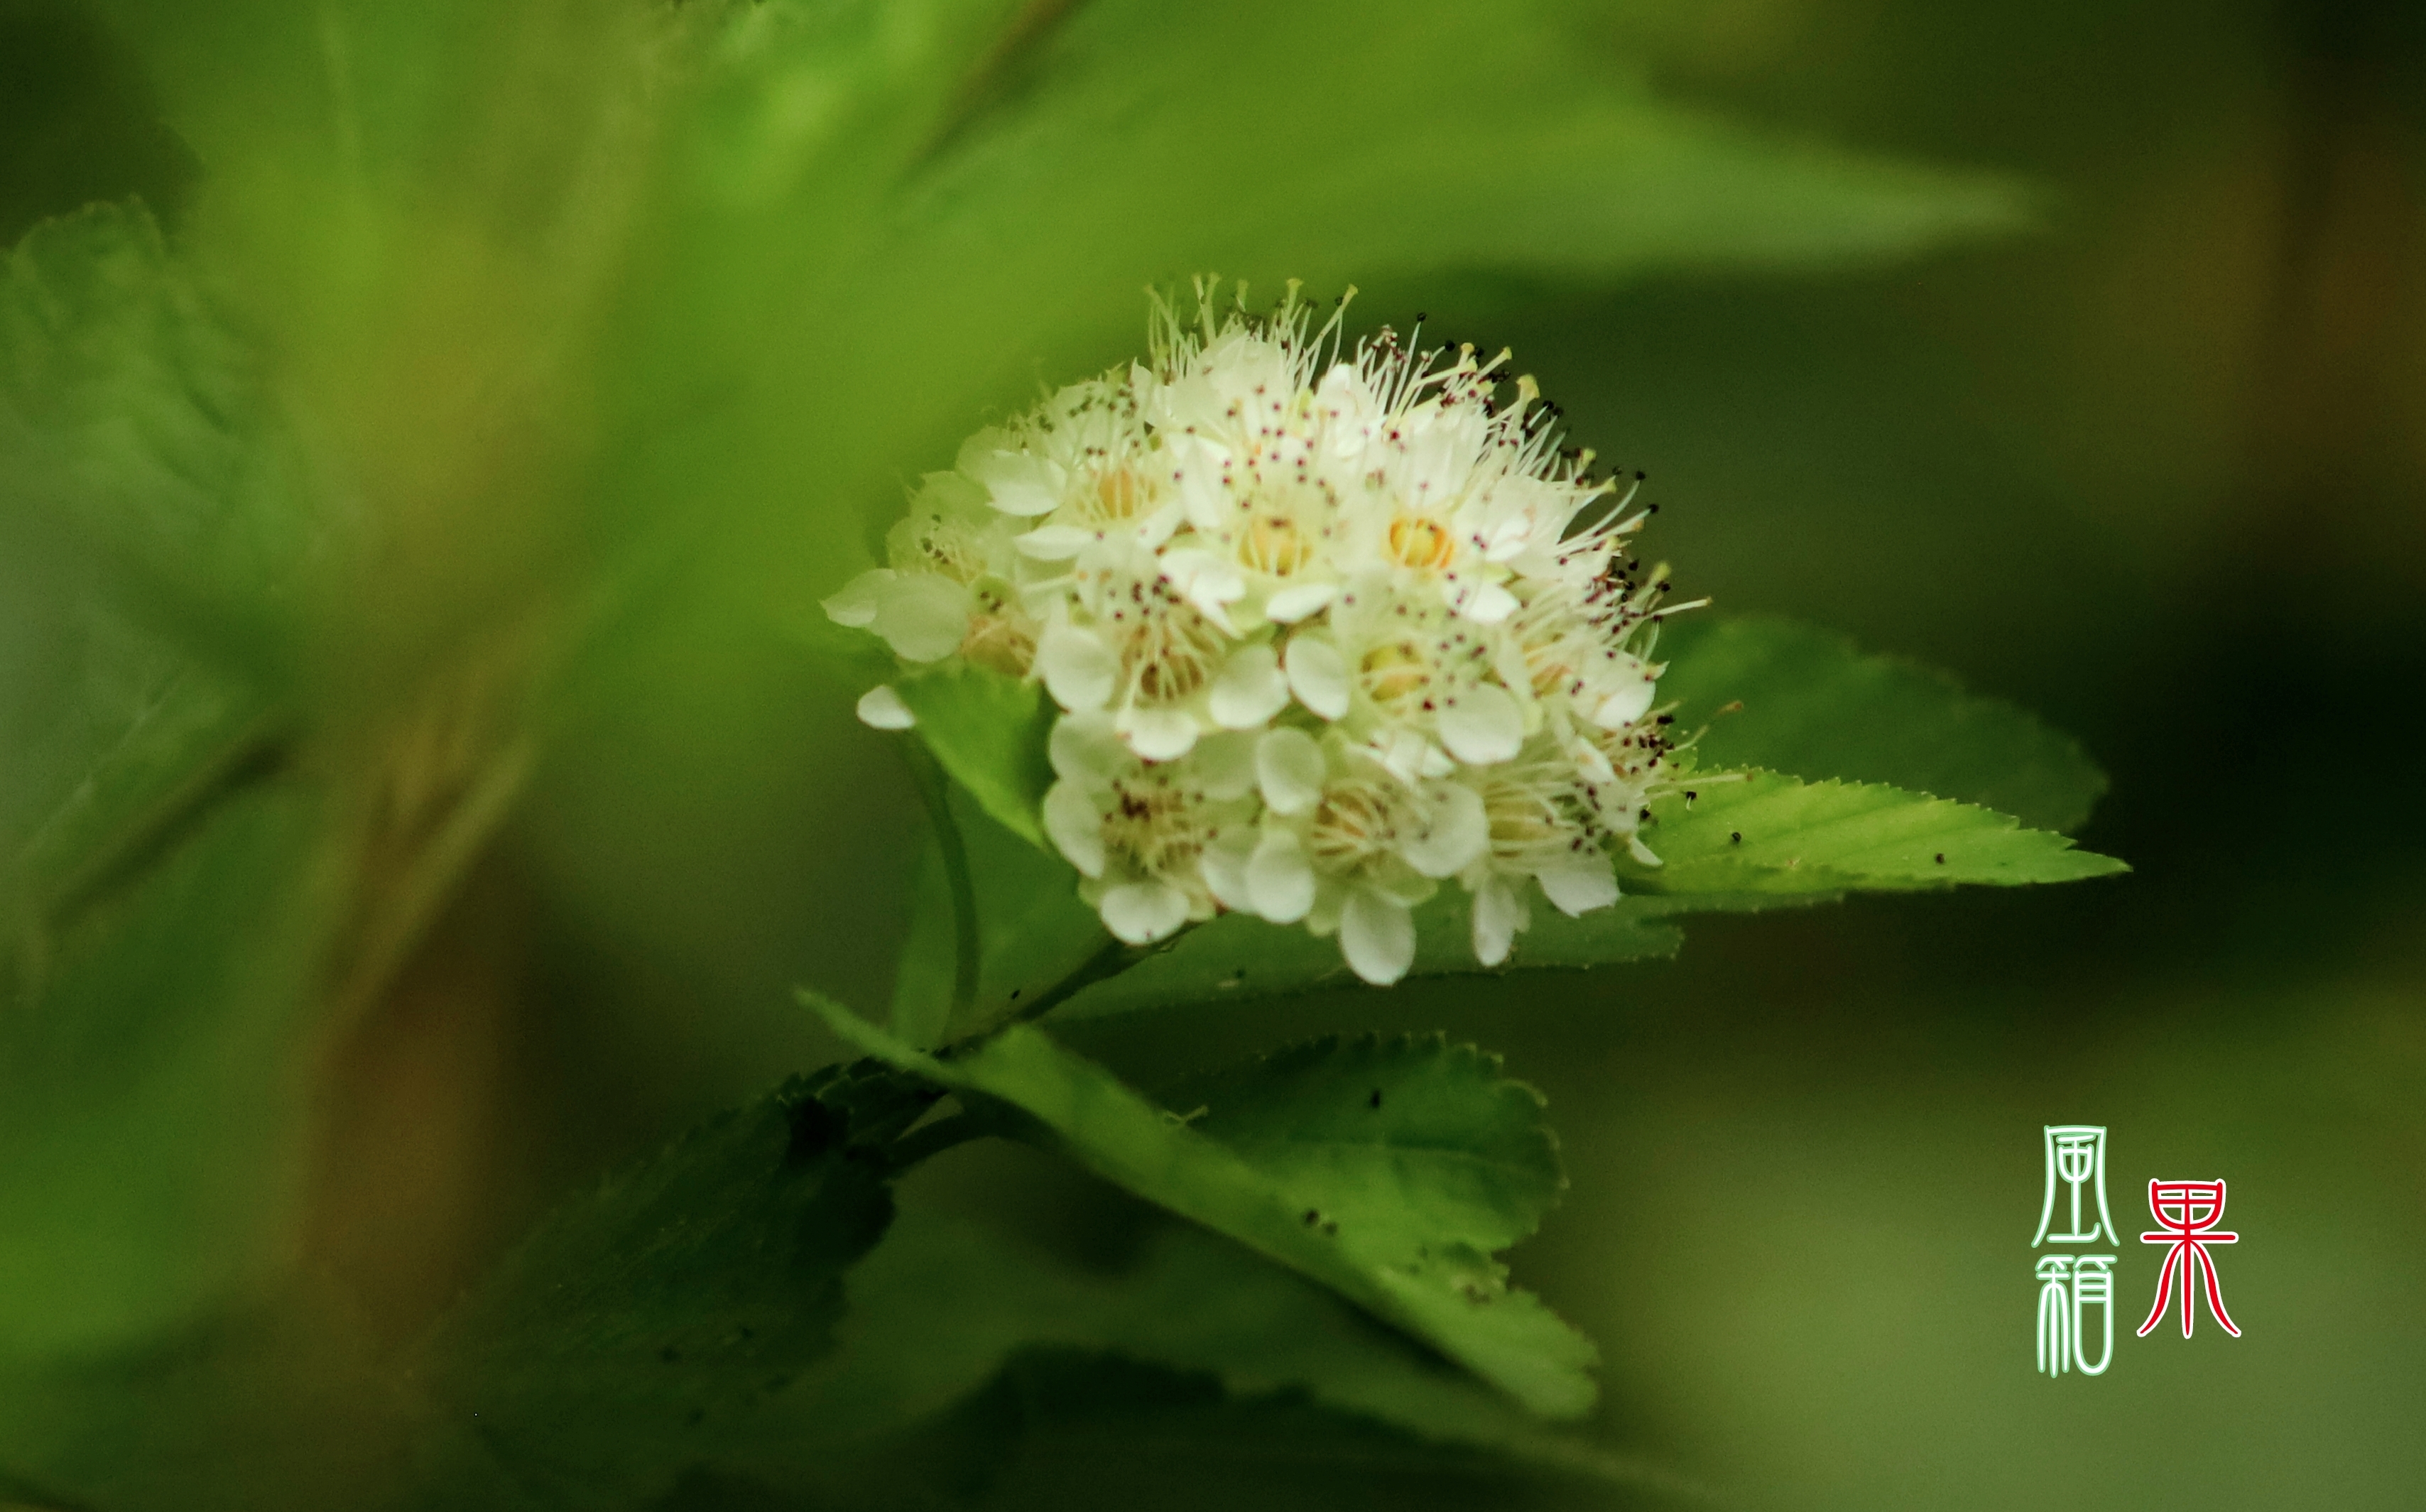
1109, 961
934, 790
928, 1140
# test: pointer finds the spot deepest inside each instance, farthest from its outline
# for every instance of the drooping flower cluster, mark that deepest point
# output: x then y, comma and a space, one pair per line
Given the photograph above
1327, 628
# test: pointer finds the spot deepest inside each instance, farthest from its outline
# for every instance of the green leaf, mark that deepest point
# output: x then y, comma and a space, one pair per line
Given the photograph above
1814, 705
988, 730
647, 1322
112, 738
942, 1311
982, 189
1061, 1428
1407, 1138
139, 434
152, 1084
1238, 956
1608, 179
1773, 834
1445, 1290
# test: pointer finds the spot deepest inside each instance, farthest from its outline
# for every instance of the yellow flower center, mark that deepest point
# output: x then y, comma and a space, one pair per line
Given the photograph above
1417, 540
1395, 673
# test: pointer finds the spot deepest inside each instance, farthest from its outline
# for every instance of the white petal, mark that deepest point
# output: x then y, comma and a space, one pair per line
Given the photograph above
1224, 763
1489, 603
1210, 589
1318, 676
1162, 524
1250, 690
1581, 888
1322, 919
1627, 704
1642, 853
1378, 937
882, 709
1457, 834
1086, 749
1075, 827
1289, 770
1403, 753
1019, 484
983, 445
922, 616
1143, 912
1482, 725
1593, 765
855, 603
1279, 880
1159, 734
1077, 665
1223, 866
1053, 542
1298, 600
1499, 912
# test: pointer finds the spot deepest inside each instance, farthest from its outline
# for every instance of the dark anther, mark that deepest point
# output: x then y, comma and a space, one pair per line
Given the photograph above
1375, 1100
1941, 858
1312, 1218
1734, 838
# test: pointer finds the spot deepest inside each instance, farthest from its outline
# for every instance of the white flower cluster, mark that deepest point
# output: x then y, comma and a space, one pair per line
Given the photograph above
1326, 629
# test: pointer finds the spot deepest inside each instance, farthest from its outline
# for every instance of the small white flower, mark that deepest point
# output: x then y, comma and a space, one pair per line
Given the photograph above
1325, 628
1148, 838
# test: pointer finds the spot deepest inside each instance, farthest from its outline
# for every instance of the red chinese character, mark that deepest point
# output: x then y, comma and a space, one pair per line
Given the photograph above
2189, 1211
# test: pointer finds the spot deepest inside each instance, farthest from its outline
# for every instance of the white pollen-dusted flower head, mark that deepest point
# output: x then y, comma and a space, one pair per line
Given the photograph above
1325, 628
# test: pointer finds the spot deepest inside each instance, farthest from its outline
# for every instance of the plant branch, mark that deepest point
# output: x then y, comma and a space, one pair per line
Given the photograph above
1109, 961
934, 790
934, 1139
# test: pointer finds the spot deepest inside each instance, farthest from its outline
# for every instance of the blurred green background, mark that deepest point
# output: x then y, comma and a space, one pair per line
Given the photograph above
2154, 467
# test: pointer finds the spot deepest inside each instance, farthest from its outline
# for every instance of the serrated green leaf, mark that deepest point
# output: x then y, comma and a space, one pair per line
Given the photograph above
151, 1084
139, 438
1237, 957
988, 731
1449, 1294
1773, 834
1406, 1137
1814, 705
650, 1321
